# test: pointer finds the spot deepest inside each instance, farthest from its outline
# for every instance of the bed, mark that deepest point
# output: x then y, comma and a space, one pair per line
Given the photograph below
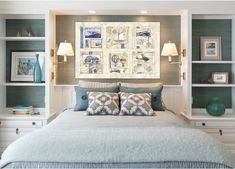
74, 140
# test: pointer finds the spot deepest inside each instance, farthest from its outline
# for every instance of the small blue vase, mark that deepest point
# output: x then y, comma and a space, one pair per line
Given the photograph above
37, 72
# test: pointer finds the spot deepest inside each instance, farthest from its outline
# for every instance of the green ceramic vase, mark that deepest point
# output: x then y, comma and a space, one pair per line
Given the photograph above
215, 107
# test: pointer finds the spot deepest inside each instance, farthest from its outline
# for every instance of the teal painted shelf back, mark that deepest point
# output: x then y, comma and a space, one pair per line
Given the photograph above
35, 26
202, 72
24, 95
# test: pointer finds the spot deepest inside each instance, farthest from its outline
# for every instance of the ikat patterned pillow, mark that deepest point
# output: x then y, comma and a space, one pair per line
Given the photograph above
103, 103
138, 104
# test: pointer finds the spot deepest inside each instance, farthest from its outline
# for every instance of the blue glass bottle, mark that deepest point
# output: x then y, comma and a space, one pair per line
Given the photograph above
37, 72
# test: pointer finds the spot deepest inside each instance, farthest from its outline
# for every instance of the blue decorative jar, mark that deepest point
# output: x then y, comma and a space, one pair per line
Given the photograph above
37, 72
215, 107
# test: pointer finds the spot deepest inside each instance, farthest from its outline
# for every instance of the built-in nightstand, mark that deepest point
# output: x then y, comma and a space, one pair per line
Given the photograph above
222, 128
13, 127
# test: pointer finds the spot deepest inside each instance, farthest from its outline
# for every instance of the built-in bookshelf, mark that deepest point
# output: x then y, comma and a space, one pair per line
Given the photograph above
23, 32
201, 89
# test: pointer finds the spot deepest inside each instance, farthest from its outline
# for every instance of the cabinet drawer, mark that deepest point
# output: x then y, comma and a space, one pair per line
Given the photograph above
11, 134
230, 146
209, 124
225, 135
21, 123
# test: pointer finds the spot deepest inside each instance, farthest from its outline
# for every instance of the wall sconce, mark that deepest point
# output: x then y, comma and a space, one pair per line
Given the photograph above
65, 49
169, 49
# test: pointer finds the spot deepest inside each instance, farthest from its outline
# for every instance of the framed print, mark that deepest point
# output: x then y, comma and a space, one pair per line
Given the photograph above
118, 62
211, 48
117, 50
22, 65
220, 77
117, 36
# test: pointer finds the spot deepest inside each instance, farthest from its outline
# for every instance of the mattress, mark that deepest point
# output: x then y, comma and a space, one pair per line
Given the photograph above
74, 140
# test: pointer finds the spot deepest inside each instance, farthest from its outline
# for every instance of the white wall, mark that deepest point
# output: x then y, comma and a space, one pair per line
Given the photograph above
119, 6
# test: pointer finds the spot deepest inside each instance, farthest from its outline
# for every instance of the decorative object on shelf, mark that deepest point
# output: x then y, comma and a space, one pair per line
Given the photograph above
211, 48
22, 65
22, 110
220, 77
24, 32
18, 34
37, 72
65, 49
215, 107
124, 50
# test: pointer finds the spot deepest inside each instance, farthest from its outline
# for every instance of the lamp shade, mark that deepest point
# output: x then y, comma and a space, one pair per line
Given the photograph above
65, 49
169, 49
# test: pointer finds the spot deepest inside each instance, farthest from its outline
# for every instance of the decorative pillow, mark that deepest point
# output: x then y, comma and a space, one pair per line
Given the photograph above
103, 103
89, 84
156, 95
82, 98
136, 104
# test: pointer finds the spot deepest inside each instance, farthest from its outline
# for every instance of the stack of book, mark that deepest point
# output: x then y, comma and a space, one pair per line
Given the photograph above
22, 110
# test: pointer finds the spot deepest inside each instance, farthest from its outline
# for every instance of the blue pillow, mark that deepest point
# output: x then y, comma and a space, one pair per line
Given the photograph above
82, 97
156, 97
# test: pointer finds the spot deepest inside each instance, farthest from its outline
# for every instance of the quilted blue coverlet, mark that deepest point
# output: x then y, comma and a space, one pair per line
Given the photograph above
76, 139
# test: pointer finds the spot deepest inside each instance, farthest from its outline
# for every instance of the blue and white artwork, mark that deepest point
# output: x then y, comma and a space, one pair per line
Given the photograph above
91, 63
92, 32
118, 50
25, 65
22, 65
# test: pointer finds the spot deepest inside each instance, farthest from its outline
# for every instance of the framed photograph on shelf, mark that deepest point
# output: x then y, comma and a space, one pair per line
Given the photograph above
22, 65
211, 48
220, 77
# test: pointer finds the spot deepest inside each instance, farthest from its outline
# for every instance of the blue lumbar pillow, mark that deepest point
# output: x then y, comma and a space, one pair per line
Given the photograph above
156, 95
82, 97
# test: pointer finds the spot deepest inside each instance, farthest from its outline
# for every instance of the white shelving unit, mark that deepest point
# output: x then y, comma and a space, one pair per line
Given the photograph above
23, 123
23, 38
223, 127
24, 84
213, 62
213, 85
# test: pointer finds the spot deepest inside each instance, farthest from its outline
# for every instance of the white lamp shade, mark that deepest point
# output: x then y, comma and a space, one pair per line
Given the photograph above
169, 49
65, 49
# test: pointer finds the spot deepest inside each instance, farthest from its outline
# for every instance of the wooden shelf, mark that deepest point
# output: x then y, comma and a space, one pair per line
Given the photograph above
213, 62
24, 84
213, 85
23, 38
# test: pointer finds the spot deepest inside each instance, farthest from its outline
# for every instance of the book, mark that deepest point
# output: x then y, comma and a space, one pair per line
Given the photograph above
22, 110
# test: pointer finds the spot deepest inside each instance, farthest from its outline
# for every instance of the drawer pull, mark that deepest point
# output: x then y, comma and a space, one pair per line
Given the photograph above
220, 132
33, 123
17, 131
203, 124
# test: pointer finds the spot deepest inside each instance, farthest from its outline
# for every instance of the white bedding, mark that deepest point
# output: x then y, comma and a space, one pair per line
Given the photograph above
75, 138
78, 119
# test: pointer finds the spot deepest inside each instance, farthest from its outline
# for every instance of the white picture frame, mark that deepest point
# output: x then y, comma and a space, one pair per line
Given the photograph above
211, 48
220, 77
22, 65
118, 37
